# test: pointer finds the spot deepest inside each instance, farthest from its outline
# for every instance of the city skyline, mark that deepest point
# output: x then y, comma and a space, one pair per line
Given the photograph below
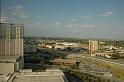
62, 18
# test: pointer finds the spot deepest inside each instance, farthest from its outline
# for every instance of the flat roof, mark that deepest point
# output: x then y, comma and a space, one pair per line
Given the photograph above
55, 78
11, 23
9, 58
64, 60
47, 76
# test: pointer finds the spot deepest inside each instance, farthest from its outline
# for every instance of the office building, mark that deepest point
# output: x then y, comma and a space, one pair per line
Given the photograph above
93, 45
11, 39
11, 48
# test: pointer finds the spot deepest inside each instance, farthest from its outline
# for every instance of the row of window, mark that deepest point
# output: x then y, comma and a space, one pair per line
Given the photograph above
11, 30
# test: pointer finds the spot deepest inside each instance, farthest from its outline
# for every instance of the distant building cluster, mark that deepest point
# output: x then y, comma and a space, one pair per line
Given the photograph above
95, 48
32, 45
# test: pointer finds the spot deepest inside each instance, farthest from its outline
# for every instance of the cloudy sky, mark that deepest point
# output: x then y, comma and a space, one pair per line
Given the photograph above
67, 18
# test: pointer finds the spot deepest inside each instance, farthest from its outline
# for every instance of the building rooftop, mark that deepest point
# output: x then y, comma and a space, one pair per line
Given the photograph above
11, 23
9, 58
47, 76
64, 60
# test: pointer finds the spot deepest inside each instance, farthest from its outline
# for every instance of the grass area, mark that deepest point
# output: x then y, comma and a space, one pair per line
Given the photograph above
85, 77
117, 71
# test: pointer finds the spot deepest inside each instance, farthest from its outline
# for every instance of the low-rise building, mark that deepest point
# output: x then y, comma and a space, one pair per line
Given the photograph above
30, 47
10, 64
51, 75
102, 54
64, 62
64, 45
73, 56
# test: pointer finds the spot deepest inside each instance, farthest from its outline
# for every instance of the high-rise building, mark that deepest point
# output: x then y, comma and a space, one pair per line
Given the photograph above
93, 45
11, 39
11, 47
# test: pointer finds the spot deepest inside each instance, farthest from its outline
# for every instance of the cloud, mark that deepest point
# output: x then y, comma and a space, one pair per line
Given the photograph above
76, 30
3, 19
109, 13
87, 16
14, 13
71, 25
88, 26
78, 26
17, 12
24, 16
57, 24
35, 24
19, 7
16, 7
74, 19
40, 17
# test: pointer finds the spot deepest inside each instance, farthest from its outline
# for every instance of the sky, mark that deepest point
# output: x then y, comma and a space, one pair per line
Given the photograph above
101, 19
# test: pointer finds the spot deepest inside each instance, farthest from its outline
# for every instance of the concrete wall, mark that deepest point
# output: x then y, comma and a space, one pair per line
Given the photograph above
6, 68
20, 64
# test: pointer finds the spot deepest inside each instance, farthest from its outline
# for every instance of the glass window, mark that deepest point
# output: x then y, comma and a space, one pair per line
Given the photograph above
12, 32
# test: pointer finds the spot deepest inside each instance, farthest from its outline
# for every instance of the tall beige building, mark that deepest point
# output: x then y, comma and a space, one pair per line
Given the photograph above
11, 48
11, 39
93, 45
